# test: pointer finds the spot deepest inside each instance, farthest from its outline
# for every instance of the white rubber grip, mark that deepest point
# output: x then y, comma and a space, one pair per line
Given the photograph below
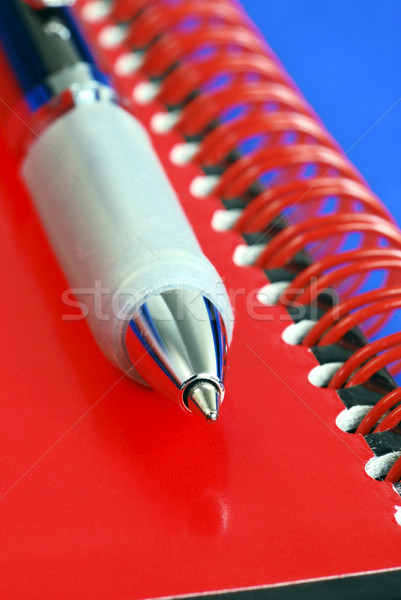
112, 217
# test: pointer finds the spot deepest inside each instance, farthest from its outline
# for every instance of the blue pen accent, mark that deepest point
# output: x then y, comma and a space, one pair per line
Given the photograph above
216, 331
38, 96
151, 352
41, 94
148, 319
81, 46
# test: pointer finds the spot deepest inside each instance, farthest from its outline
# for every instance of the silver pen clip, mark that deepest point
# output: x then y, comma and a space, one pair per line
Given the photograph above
38, 4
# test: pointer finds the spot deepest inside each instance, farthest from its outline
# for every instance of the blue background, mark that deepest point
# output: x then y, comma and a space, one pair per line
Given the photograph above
345, 56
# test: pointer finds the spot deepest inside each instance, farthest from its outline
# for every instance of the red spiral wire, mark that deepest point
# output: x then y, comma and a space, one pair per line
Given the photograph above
385, 404
228, 88
344, 374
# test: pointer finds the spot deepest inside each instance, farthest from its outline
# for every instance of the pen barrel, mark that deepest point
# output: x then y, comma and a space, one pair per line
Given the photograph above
51, 66
114, 221
40, 44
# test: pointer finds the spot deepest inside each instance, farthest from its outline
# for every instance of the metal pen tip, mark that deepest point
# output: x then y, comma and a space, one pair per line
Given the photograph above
212, 417
203, 397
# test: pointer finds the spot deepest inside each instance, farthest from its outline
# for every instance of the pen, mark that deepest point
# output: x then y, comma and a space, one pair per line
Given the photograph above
155, 305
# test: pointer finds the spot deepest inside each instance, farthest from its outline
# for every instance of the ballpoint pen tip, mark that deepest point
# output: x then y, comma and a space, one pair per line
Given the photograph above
204, 397
212, 417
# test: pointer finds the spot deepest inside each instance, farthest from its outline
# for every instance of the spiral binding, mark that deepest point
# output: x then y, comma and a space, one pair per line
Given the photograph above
289, 186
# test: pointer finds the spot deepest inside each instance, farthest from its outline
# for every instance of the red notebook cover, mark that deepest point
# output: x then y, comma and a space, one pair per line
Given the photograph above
109, 492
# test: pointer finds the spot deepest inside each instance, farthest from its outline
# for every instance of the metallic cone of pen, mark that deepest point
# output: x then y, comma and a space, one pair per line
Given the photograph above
203, 396
185, 340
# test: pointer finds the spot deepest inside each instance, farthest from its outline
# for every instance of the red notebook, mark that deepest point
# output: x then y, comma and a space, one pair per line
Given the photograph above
107, 490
